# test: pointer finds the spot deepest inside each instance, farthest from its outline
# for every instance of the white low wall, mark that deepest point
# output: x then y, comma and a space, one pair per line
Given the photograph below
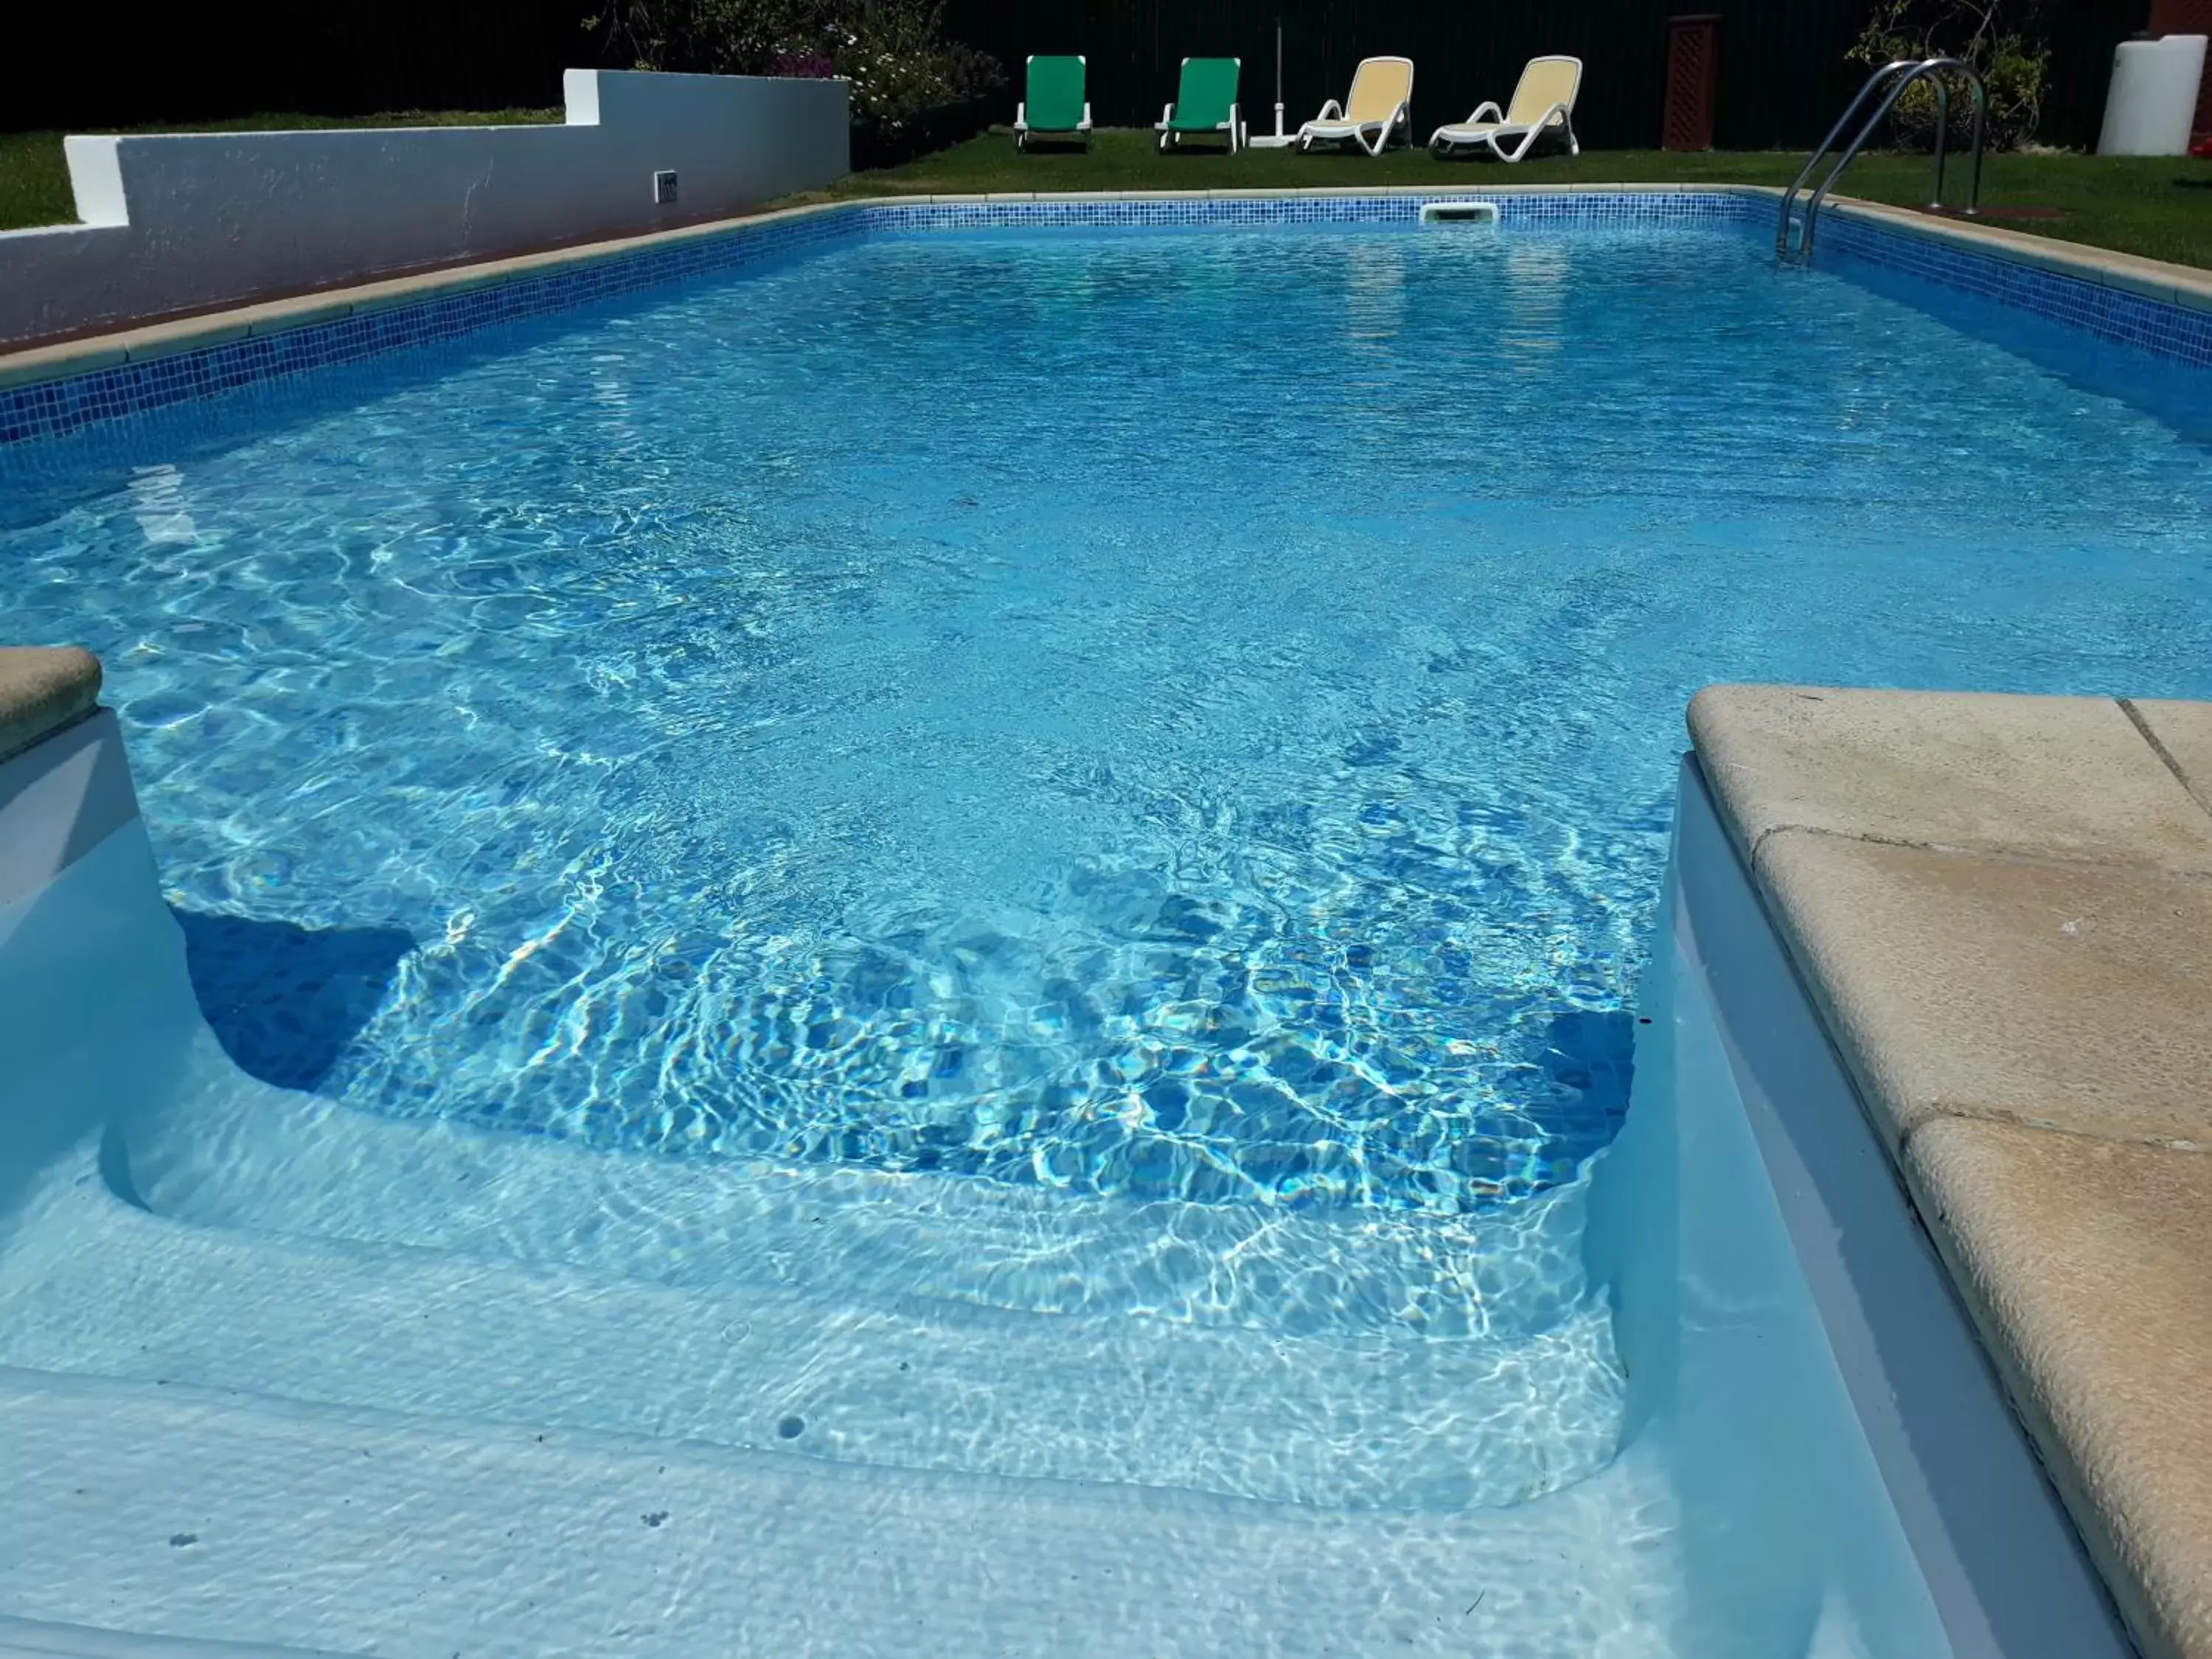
185, 221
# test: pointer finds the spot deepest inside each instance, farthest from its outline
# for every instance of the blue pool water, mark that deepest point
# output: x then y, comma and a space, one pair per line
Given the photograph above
1178, 714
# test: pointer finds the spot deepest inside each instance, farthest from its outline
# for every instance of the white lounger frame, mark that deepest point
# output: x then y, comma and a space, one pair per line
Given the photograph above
1234, 126
1330, 126
1022, 108
1488, 124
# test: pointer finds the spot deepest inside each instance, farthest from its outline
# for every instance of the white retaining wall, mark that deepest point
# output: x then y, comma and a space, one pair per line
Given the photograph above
186, 222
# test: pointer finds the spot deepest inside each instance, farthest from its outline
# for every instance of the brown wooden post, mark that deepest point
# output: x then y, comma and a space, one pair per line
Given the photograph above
1692, 71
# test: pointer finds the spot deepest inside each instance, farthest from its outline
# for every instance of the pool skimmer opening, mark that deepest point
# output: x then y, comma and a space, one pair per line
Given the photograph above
1459, 213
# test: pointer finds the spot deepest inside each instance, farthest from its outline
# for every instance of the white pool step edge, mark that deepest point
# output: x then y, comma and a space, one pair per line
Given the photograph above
36, 1638
233, 1153
362, 1531
94, 1285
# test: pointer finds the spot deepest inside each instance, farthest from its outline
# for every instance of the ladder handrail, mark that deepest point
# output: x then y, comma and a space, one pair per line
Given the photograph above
1898, 75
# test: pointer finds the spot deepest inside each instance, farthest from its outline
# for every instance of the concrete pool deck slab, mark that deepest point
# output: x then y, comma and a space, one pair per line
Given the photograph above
2042, 994
2092, 1262
2060, 778
2003, 908
2181, 733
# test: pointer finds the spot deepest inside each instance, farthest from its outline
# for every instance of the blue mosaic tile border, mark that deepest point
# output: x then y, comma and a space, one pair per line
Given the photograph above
1579, 208
2179, 333
53, 408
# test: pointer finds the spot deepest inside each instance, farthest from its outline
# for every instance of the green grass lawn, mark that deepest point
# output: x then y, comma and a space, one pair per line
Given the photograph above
34, 186
2130, 203
2138, 205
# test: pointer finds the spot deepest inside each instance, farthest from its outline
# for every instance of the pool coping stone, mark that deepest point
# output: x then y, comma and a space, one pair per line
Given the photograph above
2048, 778
2002, 911
63, 359
43, 689
2180, 734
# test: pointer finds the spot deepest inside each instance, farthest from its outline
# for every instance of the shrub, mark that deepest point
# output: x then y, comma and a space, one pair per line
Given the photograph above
1989, 35
900, 68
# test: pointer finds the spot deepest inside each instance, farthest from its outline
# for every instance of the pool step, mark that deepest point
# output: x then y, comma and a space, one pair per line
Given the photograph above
94, 1285
38, 1638
187, 1512
234, 1153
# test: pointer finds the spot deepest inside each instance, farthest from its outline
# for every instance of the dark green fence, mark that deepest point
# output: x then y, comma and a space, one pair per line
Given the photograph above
1782, 74
1782, 77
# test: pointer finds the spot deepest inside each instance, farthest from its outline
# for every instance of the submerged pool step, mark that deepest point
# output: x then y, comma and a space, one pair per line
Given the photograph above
185, 1512
235, 1154
95, 1287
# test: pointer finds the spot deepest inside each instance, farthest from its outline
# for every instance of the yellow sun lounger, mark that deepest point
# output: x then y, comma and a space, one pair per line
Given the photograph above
1377, 110
1543, 102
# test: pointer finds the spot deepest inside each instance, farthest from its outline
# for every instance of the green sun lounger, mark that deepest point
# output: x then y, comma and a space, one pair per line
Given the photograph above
1053, 102
1206, 102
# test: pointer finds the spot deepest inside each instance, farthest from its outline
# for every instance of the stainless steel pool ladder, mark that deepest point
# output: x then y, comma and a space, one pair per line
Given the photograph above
1895, 77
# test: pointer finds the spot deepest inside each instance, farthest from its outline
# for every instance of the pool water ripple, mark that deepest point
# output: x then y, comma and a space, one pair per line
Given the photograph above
1183, 716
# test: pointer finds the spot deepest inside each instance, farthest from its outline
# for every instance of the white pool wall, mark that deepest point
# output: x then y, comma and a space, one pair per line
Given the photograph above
91, 961
175, 223
1848, 1468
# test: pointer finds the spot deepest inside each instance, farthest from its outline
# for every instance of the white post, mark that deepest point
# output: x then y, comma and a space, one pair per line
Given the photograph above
1281, 140
1279, 77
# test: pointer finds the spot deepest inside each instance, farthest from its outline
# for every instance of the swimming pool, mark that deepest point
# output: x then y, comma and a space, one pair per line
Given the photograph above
1185, 716
1046, 835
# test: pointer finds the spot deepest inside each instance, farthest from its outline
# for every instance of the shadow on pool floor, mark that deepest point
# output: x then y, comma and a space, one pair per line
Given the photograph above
285, 1000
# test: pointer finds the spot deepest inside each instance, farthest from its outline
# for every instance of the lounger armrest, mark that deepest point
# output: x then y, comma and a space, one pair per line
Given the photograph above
1167, 115
1332, 111
1554, 113
1022, 113
1496, 113
1086, 114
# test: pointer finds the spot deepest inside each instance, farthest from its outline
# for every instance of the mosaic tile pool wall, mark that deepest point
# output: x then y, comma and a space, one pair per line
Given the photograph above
52, 408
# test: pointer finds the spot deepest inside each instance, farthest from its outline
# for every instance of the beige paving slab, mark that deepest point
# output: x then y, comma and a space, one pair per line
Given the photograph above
42, 688
2182, 732
2065, 778
2076, 996
2089, 1265
52, 362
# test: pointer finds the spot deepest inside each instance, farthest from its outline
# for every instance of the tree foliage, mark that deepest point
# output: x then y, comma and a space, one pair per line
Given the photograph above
1991, 35
893, 52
